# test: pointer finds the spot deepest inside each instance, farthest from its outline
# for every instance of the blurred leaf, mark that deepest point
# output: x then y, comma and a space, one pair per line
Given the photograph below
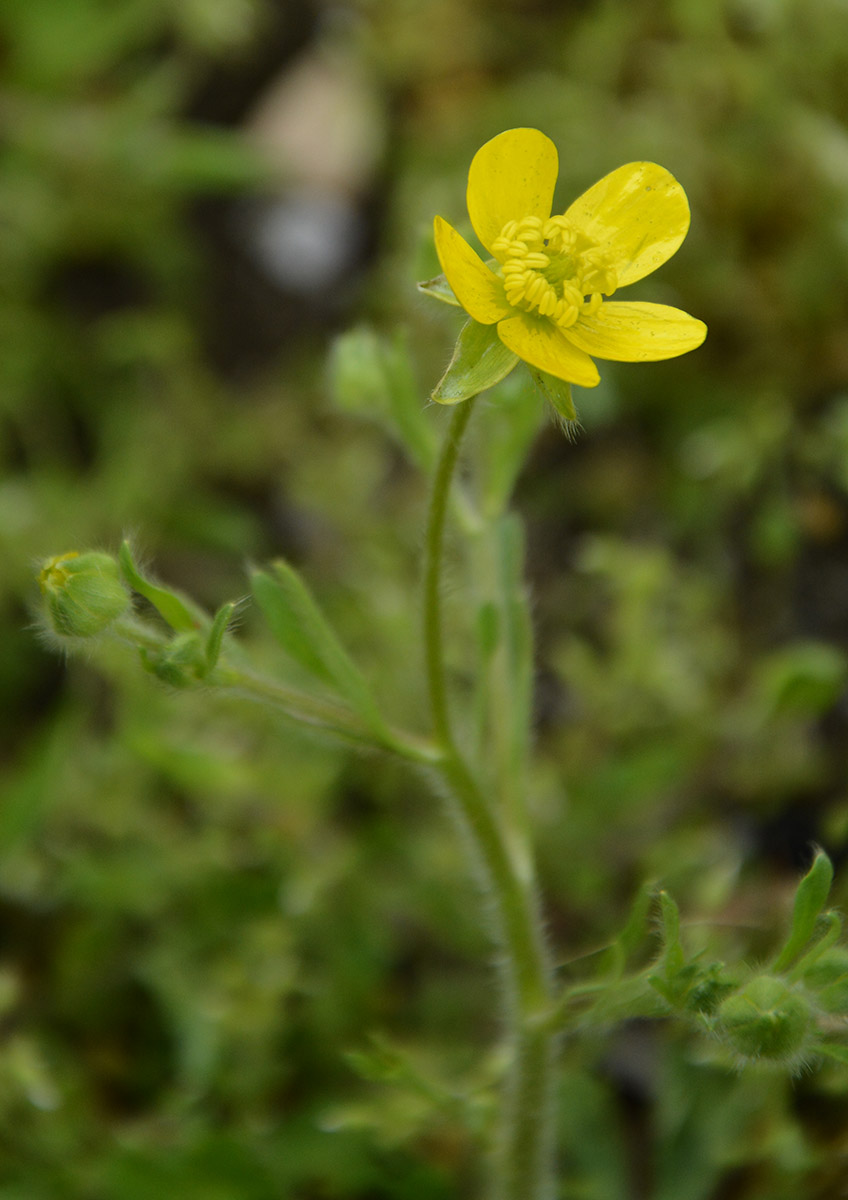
810, 899
373, 377
505, 440
806, 677
301, 629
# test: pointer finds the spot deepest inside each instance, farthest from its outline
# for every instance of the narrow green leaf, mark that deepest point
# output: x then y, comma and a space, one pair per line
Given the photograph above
810, 899
290, 618
636, 926
480, 360
304, 633
180, 613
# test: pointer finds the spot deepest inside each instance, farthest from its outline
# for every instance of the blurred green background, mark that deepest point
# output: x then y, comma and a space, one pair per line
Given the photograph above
235, 962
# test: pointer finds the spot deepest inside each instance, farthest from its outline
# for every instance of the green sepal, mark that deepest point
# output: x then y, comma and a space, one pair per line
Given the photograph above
439, 288
556, 391
480, 360
180, 613
810, 899
216, 635
300, 627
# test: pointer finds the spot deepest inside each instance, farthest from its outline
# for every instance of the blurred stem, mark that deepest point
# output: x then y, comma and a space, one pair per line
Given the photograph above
524, 1149
298, 706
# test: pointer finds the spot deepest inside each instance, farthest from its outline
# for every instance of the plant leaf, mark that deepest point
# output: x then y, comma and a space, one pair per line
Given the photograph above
305, 634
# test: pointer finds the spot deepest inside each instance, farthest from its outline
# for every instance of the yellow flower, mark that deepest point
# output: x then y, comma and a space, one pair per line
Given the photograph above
547, 285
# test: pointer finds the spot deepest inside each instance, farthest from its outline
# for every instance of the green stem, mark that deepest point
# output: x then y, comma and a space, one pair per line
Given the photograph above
433, 572
523, 1167
298, 706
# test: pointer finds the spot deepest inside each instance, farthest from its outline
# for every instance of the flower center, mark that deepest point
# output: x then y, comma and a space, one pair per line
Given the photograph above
53, 574
551, 269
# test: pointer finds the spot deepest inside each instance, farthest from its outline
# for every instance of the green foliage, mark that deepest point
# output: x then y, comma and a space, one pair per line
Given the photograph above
204, 913
373, 378
810, 899
181, 614
299, 626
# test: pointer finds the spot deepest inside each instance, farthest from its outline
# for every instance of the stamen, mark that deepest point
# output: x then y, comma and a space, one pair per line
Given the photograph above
551, 269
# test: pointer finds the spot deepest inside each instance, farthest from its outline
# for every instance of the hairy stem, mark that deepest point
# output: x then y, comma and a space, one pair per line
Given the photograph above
316, 712
523, 1153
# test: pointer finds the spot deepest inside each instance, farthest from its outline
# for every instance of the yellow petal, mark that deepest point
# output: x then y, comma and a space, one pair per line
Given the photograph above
637, 332
545, 346
478, 289
638, 215
511, 177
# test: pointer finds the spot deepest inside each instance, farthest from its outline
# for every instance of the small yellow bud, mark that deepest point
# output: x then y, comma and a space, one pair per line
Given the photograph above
83, 593
765, 1019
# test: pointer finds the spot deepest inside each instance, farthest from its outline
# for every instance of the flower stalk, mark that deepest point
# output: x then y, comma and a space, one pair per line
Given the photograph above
523, 1157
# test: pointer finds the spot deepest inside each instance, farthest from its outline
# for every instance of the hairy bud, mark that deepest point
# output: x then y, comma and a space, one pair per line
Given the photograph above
765, 1019
83, 593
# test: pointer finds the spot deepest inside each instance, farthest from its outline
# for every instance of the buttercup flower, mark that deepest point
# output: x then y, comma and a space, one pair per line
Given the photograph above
547, 284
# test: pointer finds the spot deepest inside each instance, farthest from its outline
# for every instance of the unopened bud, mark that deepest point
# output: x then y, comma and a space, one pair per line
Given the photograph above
181, 663
83, 593
765, 1019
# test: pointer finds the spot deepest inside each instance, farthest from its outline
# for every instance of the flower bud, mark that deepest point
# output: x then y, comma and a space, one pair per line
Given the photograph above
83, 593
765, 1019
181, 663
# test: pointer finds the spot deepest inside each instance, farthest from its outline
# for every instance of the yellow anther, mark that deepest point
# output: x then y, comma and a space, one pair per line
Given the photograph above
547, 304
544, 272
592, 304
536, 289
